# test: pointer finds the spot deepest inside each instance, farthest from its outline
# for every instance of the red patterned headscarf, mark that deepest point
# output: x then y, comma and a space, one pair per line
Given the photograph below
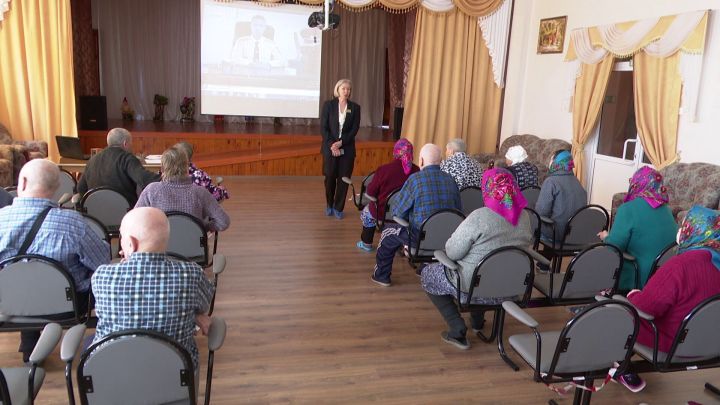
403, 150
502, 194
647, 183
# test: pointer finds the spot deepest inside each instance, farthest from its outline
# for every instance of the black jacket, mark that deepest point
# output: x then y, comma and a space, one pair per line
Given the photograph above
330, 127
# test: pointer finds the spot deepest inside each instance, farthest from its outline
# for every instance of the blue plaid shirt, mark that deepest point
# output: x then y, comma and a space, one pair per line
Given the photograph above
63, 236
425, 192
149, 291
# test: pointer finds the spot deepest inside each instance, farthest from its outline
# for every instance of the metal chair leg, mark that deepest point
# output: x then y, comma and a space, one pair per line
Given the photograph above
501, 344
493, 331
712, 389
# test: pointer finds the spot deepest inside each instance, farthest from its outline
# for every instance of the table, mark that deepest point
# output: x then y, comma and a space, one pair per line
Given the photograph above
78, 165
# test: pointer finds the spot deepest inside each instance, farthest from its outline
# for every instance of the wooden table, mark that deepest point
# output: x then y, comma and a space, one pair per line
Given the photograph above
78, 165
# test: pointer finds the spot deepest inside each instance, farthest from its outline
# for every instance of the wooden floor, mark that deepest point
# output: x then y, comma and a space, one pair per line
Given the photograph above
305, 324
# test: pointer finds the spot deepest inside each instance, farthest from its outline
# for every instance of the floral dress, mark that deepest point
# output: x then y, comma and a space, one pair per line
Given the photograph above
201, 178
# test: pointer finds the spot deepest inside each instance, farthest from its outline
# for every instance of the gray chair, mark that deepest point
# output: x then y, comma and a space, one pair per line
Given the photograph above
534, 226
595, 269
189, 238
12, 190
67, 186
505, 274
388, 217
138, 367
35, 291
106, 205
432, 235
580, 232
669, 252
592, 342
531, 194
20, 385
471, 199
360, 199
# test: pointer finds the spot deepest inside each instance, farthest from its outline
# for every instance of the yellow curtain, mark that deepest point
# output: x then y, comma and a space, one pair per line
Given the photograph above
589, 94
36, 72
451, 92
657, 104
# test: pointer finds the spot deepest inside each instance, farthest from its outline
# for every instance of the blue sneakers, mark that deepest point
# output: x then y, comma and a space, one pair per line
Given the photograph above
339, 214
364, 246
329, 211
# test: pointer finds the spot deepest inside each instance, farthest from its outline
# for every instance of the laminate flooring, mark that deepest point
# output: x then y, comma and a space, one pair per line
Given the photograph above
306, 325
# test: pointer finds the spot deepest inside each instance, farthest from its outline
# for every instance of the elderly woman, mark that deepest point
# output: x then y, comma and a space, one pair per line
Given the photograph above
643, 226
387, 178
525, 173
501, 222
561, 195
199, 176
176, 192
466, 171
680, 284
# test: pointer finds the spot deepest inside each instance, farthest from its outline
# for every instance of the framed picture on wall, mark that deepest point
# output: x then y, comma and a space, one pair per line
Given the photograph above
551, 37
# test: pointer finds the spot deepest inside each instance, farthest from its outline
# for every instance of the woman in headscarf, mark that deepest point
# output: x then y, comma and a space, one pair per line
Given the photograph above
643, 226
501, 222
388, 178
561, 195
680, 284
525, 173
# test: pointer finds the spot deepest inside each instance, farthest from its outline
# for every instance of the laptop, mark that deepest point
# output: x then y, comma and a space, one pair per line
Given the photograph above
69, 147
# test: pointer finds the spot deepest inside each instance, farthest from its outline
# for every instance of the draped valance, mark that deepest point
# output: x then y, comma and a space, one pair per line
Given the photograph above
4, 6
475, 8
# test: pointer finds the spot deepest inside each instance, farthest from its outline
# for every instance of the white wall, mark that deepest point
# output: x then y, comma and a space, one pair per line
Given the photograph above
536, 93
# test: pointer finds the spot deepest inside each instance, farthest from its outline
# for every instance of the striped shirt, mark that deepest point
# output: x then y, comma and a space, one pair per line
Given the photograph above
63, 236
149, 291
425, 192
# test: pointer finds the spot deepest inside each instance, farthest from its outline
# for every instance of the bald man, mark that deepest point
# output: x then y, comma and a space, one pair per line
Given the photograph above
116, 167
63, 236
147, 290
423, 193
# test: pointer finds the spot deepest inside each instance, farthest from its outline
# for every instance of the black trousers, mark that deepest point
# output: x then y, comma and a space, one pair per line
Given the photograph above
367, 235
334, 169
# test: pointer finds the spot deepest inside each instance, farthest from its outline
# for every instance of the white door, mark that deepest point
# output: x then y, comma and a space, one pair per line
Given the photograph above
616, 152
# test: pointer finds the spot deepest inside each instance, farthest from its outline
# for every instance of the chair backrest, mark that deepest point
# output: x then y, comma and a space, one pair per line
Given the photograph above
12, 190
67, 185
4, 390
471, 199
534, 225
594, 269
365, 182
585, 224
506, 272
106, 205
603, 333
437, 229
531, 194
136, 367
36, 286
188, 237
97, 227
664, 256
391, 200
698, 337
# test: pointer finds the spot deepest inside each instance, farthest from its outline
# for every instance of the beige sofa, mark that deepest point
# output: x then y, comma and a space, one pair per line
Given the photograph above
14, 154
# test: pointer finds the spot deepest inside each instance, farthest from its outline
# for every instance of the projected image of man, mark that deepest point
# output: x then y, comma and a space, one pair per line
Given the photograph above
257, 49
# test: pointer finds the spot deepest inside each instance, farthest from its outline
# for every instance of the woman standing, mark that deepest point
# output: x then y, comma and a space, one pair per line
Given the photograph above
339, 123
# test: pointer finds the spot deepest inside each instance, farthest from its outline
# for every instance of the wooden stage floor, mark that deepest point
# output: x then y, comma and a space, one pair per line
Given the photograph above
306, 325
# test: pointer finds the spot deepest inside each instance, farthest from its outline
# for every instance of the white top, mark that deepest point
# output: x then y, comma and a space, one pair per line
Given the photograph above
341, 118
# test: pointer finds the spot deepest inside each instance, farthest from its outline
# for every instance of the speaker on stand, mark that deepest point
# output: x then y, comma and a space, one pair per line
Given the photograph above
93, 113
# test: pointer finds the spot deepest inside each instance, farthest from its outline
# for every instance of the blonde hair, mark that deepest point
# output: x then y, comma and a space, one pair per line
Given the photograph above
174, 164
340, 83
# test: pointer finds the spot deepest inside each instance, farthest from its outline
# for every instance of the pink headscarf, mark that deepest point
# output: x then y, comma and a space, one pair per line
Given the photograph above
647, 183
403, 150
502, 194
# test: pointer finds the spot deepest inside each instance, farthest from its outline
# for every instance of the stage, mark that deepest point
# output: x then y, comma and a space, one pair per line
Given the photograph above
248, 148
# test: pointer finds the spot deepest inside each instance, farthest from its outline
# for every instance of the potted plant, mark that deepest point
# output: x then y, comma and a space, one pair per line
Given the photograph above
187, 108
160, 103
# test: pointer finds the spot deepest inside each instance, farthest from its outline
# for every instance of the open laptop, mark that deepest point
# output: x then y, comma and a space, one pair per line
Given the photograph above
69, 147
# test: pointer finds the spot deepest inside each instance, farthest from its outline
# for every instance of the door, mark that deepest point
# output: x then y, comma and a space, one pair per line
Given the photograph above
616, 149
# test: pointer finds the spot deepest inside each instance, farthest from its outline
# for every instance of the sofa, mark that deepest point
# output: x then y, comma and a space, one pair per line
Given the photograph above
14, 154
539, 152
688, 184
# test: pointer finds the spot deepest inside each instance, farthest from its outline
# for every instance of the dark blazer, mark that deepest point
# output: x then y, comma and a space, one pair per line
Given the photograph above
330, 127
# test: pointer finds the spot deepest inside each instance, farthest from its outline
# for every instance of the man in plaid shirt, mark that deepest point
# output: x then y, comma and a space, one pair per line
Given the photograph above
424, 192
149, 291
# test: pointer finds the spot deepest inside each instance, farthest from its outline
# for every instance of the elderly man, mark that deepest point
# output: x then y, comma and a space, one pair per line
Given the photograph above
165, 296
116, 167
465, 170
63, 234
256, 49
423, 193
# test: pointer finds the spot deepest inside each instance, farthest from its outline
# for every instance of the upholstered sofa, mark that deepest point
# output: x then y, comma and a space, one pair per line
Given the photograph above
14, 154
688, 184
539, 152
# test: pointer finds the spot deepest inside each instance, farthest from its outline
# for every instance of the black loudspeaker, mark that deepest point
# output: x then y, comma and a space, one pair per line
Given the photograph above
397, 122
93, 112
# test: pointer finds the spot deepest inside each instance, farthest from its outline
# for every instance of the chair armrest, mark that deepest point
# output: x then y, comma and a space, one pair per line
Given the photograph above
219, 180
643, 315
219, 263
216, 334
628, 257
71, 342
64, 198
401, 221
75, 199
518, 313
443, 258
369, 197
599, 298
46, 344
547, 220
346, 180
536, 256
